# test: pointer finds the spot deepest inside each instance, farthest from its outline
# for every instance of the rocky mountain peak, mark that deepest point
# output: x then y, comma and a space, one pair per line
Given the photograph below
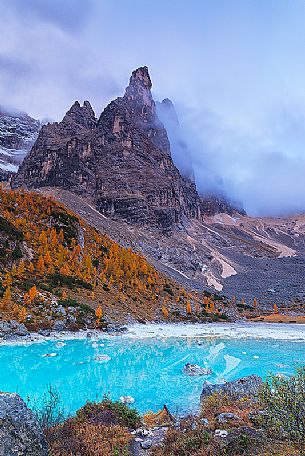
167, 107
140, 77
122, 164
138, 95
81, 115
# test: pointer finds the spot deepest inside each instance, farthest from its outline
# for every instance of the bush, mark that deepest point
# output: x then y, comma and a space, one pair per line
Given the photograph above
51, 412
69, 281
87, 439
109, 412
283, 400
189, 439
69, 302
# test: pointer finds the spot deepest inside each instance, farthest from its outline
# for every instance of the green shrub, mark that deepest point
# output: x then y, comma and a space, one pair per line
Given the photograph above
283, 401
9, 229
109, 412
69, 281
69, 302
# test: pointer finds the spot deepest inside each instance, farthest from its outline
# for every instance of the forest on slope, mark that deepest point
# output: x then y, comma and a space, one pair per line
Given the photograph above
54, 266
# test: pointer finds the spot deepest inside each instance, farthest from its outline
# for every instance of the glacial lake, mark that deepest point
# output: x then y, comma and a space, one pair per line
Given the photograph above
149, 369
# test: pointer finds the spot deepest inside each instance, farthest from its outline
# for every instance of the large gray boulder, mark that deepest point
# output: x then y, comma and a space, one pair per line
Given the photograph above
11, 328
243, 387
20, 432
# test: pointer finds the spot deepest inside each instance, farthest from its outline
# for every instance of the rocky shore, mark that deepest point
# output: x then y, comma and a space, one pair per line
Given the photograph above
12, 332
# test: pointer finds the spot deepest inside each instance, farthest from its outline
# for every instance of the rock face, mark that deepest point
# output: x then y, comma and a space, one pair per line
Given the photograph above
20, 433
18, 132
122, 163
243, 387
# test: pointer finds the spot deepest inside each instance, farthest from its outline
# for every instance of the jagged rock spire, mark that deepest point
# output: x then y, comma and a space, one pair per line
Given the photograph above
138, 93
81, 115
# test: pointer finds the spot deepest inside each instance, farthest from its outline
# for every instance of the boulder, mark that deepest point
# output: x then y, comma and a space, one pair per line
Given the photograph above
243, 387
194, 370
146, 444
225, 417
20, 432
59, 325
9, 329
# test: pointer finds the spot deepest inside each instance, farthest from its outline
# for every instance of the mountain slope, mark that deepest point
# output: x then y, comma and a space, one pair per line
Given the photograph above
240, 256
55, 266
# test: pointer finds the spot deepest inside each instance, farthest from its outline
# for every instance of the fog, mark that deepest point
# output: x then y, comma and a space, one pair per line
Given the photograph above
234, 70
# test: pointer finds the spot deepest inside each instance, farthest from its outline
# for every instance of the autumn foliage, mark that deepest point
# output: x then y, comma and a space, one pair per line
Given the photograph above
50, 248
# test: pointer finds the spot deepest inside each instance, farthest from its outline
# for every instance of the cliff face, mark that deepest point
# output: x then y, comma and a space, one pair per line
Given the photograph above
122, 162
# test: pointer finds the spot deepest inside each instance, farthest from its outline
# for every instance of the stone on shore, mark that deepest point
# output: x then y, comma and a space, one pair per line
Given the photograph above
243, 387
20, 432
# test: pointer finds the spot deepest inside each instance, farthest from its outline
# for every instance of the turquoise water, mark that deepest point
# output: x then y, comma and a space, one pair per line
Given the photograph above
150, 370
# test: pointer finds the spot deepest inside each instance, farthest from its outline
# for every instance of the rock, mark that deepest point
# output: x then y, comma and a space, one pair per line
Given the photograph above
20, 433
205, 421
115, 328
243, 387
221, 433
71, 319
59, 325
127, 399
21, 330
12, 328
61, 310
194, 370
44, 332
103, 359
146, 444
225, 417
142, 432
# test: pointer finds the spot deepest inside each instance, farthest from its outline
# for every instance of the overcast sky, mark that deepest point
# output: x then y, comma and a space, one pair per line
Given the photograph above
235, 70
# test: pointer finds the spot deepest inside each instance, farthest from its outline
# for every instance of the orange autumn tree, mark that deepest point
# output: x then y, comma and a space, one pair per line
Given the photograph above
165, 312
275, 309
98, 314
32, 293
188, 307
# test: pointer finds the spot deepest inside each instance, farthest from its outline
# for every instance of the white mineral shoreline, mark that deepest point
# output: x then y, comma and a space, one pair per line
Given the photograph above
240, 330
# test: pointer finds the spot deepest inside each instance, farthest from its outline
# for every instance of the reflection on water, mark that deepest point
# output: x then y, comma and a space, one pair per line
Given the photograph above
150, 370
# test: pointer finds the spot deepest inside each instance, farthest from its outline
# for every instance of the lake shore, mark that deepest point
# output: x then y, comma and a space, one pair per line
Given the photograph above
238, 330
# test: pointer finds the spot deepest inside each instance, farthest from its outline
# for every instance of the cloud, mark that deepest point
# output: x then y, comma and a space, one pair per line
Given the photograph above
69, 15
233, 69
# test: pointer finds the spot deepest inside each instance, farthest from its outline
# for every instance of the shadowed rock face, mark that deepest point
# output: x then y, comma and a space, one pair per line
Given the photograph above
121, 163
